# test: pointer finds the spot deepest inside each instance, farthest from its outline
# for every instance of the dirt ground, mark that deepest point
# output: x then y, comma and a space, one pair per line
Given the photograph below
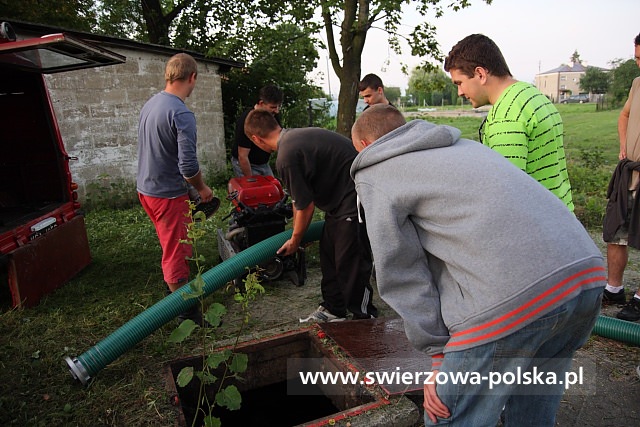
610, 396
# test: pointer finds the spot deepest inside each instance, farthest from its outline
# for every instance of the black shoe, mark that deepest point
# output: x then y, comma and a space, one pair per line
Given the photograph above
208, 208
631, 311
610, 298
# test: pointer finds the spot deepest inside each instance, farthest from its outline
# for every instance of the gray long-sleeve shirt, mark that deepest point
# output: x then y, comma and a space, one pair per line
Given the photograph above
166, 147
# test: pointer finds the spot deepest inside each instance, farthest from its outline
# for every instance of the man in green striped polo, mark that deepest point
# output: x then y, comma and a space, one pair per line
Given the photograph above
522, 125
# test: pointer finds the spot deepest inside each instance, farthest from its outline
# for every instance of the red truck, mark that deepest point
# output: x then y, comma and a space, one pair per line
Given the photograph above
43, 240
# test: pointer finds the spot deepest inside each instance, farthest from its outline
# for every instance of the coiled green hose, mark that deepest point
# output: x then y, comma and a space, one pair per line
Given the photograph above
88, 364
621, 330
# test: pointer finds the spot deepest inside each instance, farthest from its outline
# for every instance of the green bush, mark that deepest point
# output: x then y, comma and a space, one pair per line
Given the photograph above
110, 193
589, 177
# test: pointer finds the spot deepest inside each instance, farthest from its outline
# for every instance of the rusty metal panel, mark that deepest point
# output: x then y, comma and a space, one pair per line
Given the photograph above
47, 262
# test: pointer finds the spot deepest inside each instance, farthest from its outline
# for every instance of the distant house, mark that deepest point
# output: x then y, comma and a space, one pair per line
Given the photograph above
561, 82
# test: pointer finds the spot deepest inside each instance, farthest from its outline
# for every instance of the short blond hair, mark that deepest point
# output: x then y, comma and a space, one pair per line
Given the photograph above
180, 67
377, 121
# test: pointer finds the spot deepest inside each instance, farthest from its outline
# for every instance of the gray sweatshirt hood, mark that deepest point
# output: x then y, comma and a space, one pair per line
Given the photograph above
468, 248
417, 135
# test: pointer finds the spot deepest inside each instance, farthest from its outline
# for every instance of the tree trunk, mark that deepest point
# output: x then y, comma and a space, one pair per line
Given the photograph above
157, 22
348, 97
353, 33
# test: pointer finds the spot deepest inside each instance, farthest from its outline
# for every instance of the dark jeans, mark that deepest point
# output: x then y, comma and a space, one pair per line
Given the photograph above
545, 347
345, 261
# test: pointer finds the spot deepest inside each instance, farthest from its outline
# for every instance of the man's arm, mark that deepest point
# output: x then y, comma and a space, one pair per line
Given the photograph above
187, 155
301, 220
623, 123
243, 160
206, 194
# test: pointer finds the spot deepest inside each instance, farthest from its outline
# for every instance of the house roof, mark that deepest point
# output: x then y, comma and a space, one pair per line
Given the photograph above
573, 68
38, 30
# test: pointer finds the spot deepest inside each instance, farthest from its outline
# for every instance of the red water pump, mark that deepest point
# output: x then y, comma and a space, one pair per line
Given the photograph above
260, 210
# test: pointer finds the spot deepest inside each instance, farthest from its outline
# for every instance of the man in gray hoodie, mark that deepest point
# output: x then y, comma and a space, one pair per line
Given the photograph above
491, 273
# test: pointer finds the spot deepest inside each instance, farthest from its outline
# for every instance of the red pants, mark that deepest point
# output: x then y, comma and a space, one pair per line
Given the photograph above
170, 218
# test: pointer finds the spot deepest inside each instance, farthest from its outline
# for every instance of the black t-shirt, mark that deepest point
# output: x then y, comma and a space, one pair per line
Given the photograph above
257, 156
314, 164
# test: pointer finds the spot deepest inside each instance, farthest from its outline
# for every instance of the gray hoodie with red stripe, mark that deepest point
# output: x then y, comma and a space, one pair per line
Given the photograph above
468, 248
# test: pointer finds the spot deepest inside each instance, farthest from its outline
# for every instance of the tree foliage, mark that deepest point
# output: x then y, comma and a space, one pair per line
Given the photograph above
73, 14
431, 87
228, 28
575, 57
623, 75
283, 55
274, 38
122, 18
595, 80
392, 93
346, 24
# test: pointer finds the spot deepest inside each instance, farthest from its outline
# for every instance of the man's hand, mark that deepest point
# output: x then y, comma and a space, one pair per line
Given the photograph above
301, 220
289, 248
206, 194
433, 406
622, 155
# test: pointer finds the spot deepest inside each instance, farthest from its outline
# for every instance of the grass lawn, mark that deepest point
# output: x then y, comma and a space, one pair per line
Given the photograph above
125, 279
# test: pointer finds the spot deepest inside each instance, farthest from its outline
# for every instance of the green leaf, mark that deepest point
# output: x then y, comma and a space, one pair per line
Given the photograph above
180, 333
210, 421
214, 314
239, 363
207, 377
191, 295
199, 216
218, 309
185, 376
196, 288
229, 397
214, 360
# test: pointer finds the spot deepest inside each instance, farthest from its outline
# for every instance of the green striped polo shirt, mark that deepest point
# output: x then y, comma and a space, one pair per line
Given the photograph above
527, 129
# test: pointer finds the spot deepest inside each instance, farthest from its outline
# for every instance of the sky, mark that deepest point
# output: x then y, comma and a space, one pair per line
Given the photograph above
534, 36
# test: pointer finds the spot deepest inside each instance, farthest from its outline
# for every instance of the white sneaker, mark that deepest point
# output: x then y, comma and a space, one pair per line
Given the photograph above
322, 315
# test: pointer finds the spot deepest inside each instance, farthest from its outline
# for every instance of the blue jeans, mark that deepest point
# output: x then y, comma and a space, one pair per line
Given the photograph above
544, 346
264, 169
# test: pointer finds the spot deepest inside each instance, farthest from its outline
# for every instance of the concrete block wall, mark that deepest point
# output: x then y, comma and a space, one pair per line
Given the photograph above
98, 108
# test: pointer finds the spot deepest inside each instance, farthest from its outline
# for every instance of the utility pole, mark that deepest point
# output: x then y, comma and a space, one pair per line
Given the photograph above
329, 80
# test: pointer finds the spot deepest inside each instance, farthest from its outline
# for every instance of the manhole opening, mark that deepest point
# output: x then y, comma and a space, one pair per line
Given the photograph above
272, 389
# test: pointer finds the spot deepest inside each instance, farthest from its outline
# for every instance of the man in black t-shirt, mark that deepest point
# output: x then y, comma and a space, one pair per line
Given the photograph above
372, 91
313, 165
246, 158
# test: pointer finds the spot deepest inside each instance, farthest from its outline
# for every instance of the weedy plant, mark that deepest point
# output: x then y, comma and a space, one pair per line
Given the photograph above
232, 364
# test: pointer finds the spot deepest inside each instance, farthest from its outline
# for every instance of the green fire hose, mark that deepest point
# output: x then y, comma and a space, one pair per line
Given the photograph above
621, 330
88, 364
